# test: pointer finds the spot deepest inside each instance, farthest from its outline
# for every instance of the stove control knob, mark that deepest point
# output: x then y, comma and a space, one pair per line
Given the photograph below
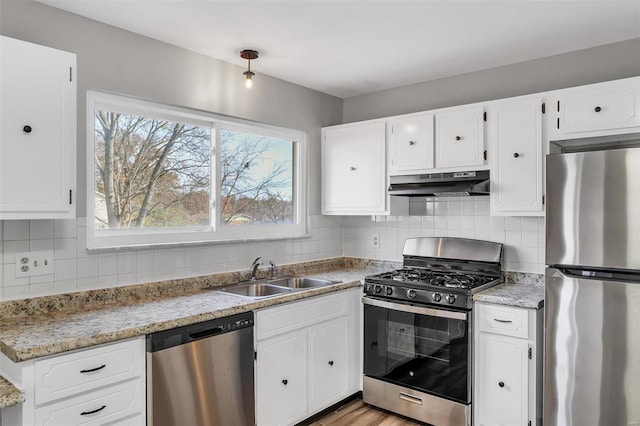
411, 293
437, 297
377, 288
388, 290
451, 299
367, 288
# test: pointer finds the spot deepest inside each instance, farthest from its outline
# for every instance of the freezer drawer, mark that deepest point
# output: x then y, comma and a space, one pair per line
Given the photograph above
592, 351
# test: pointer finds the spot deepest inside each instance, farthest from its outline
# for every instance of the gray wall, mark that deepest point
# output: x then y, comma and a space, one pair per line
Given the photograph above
602, 63
120, 61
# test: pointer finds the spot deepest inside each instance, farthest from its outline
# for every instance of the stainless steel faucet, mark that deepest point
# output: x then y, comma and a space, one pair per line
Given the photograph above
274, 269
254, 268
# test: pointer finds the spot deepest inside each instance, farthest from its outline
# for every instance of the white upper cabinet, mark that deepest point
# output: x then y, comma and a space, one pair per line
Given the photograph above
411, 144
37, 131
515, 134
610, 107
354, 169
460, 138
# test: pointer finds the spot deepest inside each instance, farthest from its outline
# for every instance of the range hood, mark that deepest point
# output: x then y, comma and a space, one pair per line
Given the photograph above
453, 184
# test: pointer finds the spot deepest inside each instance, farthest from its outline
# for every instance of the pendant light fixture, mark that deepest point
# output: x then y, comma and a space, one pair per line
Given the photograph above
249, 55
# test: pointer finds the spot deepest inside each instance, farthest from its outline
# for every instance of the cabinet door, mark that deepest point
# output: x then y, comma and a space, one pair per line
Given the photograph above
281, 386
502, 390
600, 109
353, 167
37, 131
460, 138
328, 369
411, 144
516, 137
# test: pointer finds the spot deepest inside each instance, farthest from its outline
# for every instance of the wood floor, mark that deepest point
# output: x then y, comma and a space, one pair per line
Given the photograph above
356, 413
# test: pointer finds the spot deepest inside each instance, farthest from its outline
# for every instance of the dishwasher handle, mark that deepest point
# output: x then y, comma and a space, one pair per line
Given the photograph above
194, 332
197, 335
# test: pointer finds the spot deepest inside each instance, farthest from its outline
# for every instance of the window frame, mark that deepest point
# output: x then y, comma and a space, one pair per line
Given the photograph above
216, 232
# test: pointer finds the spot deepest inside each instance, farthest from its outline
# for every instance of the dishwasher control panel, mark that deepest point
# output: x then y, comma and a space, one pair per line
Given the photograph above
202, 330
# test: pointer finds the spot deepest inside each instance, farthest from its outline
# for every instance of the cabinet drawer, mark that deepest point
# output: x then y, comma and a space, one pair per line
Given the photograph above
102, 406
67, 375
504, 320
293, 316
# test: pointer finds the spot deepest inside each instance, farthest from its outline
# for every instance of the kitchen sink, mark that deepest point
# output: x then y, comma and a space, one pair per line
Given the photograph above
274, 287
301, 282
255, 290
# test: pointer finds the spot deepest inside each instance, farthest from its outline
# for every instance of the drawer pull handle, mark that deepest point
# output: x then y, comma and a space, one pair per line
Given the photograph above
331, 363
285, 381
597, 109
412, 142
501, 384
504, 321
97, 410
91, 370
410, 398
27, 129
458, 138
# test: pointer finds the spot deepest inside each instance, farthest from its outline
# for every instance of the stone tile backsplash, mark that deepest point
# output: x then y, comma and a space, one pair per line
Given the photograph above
332, 236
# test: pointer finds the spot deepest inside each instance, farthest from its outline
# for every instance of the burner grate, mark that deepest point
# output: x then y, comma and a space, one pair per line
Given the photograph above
433, 278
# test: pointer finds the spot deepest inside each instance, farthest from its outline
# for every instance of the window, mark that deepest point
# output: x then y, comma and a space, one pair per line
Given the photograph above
165, 175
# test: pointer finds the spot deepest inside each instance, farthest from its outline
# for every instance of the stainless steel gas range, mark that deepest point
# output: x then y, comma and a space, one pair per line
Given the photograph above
418, 328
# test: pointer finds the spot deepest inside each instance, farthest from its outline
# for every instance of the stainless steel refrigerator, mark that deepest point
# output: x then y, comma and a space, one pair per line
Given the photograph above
592, 289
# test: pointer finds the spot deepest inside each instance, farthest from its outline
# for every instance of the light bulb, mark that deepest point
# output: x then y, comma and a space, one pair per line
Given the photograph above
248, 82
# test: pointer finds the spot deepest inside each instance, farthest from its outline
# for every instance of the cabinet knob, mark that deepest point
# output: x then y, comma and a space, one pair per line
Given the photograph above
27, 129
516, 155
597, 109
285, 381
412, 142
501, 384
458, 138
353, 169
331, 363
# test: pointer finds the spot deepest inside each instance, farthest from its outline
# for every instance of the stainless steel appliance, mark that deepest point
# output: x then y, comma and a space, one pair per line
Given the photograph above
418, 328
592, 289
202, 374
452, 184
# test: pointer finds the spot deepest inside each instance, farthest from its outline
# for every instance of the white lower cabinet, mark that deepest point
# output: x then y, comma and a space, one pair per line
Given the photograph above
328, 357
96, 386
281, 379
307, 356
507, 388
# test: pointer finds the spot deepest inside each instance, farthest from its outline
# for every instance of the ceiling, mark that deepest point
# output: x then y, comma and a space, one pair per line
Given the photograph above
348, 48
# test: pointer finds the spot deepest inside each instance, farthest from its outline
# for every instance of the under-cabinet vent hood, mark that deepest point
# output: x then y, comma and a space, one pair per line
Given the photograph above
454, 184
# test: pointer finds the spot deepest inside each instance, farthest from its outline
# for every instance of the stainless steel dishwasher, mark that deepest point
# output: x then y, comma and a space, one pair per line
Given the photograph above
202, 374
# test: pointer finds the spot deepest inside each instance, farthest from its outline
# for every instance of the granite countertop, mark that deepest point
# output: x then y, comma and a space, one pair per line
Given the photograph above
9, 394
28, 337
526, 292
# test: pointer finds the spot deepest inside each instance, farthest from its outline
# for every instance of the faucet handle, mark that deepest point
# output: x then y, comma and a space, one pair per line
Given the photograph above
274, 269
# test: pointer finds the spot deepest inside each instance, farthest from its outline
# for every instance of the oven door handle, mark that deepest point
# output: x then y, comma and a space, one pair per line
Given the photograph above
415, 309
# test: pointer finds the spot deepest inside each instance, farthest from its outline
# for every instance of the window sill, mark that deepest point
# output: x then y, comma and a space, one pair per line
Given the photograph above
133, 247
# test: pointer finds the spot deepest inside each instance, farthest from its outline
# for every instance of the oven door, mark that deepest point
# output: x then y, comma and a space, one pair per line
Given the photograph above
426, 349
